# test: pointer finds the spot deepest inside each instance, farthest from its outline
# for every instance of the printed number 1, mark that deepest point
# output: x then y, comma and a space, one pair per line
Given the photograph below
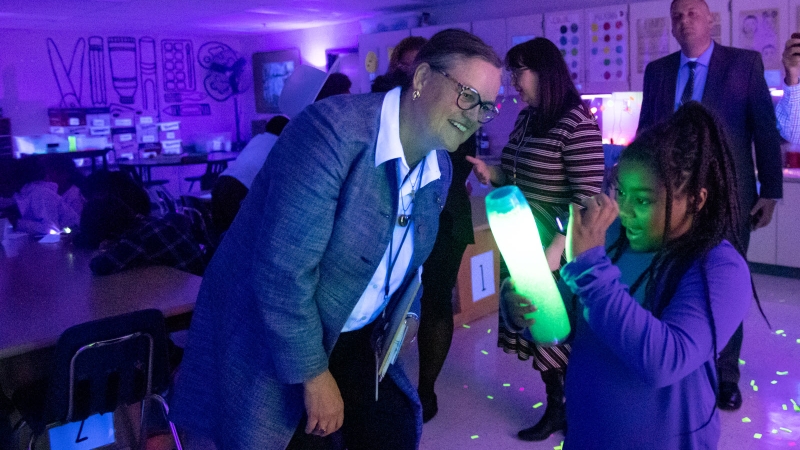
80, 430
483, 279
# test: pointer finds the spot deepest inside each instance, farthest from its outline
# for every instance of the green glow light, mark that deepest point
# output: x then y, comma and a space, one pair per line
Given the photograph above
517, 237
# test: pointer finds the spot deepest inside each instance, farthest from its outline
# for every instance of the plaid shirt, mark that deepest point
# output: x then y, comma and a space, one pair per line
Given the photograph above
167, 241
788, 114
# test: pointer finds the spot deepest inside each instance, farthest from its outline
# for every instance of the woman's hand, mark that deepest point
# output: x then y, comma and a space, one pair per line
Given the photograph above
324, 405
588, 225
485, 173
516, 305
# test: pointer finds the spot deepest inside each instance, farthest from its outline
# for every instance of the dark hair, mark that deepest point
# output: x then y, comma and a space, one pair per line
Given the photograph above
557, 92
276, 125
104, 218
409, 44
398, 75
105, 183
448, 46
336, 84
687, 153
60, 168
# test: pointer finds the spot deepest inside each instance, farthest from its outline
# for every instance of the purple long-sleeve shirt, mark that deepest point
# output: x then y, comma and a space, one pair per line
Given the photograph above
636, 381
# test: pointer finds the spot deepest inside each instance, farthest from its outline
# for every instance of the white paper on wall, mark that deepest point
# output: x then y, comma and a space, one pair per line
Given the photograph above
763, 27
482, 275
565, 29
607, 59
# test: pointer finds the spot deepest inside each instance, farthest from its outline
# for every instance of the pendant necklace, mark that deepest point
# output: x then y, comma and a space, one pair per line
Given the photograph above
404, 218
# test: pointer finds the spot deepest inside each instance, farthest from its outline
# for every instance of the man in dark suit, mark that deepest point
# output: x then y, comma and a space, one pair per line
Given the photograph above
730, 82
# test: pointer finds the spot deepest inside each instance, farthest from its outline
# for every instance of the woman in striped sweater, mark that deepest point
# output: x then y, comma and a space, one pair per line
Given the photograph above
555, 156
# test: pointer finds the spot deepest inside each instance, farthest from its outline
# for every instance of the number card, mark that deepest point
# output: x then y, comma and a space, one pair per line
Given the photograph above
95, 431
482, 275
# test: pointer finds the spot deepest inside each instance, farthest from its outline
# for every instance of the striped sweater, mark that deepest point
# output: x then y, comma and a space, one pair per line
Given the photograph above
564, 165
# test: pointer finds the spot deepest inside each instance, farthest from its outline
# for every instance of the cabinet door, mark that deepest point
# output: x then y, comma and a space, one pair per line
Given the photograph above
763, 245
788, 226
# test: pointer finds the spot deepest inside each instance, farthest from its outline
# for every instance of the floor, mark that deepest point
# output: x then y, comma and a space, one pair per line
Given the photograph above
486, 396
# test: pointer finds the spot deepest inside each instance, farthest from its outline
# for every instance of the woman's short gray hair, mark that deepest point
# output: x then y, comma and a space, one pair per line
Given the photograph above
448, 46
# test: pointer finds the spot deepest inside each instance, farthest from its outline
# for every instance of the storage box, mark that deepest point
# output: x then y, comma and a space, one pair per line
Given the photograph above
171, 147
147, 133
124, 140
98, 117
145, 119
169, 131
122, 119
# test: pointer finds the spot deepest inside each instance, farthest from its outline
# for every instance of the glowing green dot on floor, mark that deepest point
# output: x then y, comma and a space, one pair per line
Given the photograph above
786, 430
484, 352
784, 407
774, 431
785, 372
537, 405
757, 435
779, 332
752, 382
755, 388
773, 382
741, 361
465, 326
746, 419
489, 330
506, 384
490, 397
474, 436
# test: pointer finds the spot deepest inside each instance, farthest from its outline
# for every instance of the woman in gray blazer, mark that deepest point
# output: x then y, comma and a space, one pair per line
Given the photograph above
343, 213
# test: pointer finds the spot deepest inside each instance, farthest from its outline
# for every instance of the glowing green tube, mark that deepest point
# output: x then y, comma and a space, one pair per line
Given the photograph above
517, 237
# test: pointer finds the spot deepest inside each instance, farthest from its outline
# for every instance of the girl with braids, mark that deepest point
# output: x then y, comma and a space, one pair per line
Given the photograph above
642, 369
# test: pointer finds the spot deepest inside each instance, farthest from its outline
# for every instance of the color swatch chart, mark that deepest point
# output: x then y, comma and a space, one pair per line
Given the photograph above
566, 31
608, 45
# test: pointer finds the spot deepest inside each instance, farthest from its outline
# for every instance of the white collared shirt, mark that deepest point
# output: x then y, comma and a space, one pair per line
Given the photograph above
388, 147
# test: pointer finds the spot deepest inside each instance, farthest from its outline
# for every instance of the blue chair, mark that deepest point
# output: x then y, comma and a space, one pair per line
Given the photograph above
98, 367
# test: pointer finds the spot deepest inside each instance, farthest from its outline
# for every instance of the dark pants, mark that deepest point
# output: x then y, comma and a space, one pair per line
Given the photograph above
439, 276
389, 423
728, 362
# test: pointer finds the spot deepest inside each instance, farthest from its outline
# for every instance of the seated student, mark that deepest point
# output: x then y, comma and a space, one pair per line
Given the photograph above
105, 183
642, 370
42, 209
305, 83
128, 239
233, 184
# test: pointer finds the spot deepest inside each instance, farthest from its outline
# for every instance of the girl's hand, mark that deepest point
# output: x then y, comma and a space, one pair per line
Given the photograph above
588, 225
485, 173
516, 305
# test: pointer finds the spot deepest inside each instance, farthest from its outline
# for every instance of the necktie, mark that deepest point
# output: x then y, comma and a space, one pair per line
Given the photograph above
688, 90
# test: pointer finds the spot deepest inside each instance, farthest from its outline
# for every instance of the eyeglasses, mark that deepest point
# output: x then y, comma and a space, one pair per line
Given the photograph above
517, 73
469, 98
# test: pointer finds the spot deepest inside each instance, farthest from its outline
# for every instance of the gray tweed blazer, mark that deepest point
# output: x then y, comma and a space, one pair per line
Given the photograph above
306, 242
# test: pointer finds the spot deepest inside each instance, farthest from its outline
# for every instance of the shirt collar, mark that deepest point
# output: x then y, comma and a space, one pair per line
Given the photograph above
702, 60
389, 146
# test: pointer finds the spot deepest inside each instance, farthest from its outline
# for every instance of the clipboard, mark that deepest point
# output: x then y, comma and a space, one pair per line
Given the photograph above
392, 326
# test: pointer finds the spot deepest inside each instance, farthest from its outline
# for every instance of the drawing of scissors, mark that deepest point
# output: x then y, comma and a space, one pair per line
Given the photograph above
68, 77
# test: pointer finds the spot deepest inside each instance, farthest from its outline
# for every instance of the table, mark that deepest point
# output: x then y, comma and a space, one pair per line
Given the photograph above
95, 153
143, 166
47, 288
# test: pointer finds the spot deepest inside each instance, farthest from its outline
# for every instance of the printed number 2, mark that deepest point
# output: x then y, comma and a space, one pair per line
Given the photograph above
80, 430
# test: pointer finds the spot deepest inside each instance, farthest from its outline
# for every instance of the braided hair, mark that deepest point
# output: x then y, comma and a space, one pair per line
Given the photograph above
687, 153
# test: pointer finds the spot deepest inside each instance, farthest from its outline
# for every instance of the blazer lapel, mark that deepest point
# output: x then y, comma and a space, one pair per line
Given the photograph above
670, 84
717, 65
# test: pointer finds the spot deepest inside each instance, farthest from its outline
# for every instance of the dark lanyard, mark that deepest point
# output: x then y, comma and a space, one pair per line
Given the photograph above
389, 261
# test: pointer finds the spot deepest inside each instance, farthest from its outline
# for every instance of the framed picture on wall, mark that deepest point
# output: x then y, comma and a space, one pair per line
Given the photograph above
270, 70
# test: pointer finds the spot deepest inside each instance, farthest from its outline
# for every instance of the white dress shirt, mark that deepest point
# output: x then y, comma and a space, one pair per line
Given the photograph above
388, 147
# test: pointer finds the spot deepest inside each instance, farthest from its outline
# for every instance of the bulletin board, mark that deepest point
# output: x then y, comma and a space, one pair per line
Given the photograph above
763, 27
566, 30
607, 57
373, 55
651, 37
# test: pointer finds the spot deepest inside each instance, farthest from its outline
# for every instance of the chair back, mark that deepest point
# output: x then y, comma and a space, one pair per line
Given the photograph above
213, 170
107, 363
